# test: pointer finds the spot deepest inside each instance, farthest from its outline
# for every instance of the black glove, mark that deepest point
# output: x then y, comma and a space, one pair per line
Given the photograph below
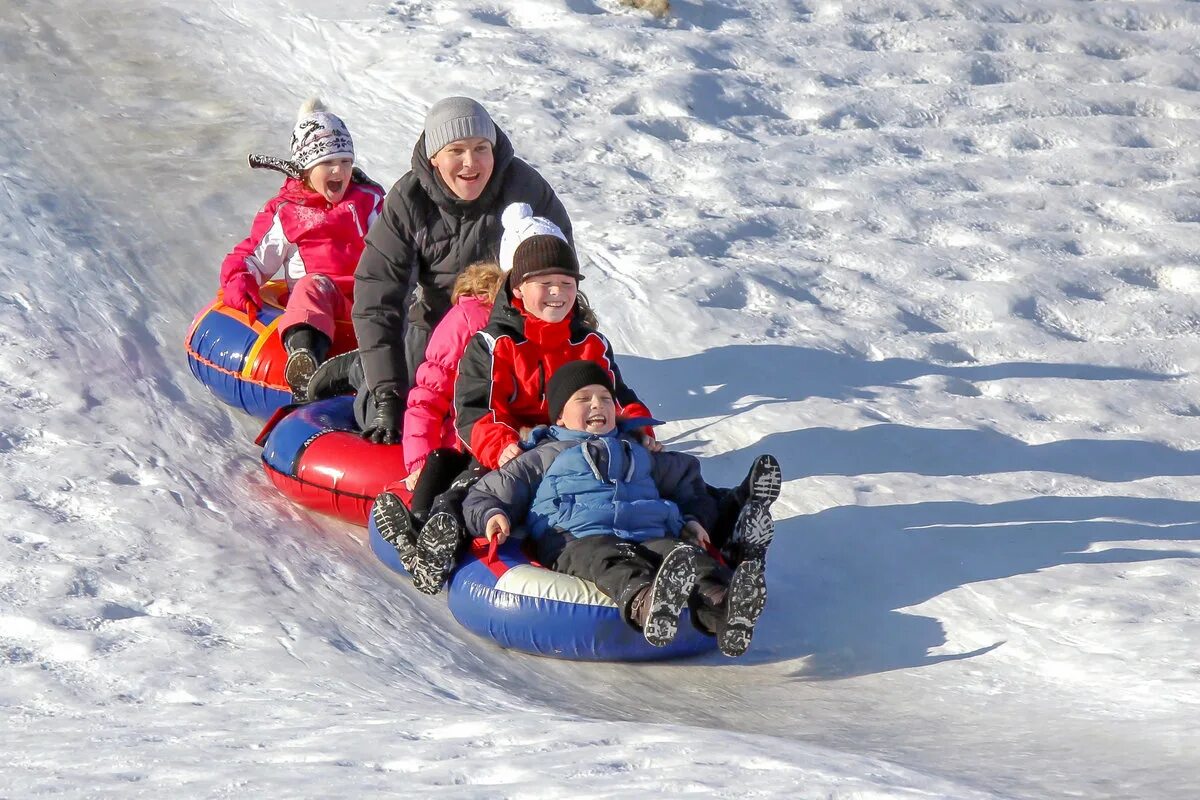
389, 415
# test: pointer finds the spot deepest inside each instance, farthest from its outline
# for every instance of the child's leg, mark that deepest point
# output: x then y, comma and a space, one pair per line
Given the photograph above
314, 301
728, 605
442, 466
444, 533
395, 525
707, 602
743, 604
307, 328
650, 591
760, 488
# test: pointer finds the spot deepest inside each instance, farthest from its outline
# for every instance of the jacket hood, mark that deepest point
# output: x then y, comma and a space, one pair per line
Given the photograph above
447, 200
625, 427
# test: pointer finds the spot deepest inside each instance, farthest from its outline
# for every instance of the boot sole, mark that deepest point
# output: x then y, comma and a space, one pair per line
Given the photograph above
394, 524
672, 587
744, 604
436, 545
754, 530
298, 372
766, 479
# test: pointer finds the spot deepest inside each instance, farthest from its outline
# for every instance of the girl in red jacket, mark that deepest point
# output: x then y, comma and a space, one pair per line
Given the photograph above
313, 231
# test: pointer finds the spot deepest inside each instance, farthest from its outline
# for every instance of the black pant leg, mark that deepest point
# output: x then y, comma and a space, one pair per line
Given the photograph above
451, 500
441, 468
618, 567
728, 506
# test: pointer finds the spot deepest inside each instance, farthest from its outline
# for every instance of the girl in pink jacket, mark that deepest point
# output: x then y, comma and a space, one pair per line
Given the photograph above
313, 232
432, 452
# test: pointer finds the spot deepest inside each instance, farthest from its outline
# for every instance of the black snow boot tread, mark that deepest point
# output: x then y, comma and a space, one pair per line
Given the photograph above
753, 531
743, 605
673, 584
298, 372
764, 480
437, 544
395, 525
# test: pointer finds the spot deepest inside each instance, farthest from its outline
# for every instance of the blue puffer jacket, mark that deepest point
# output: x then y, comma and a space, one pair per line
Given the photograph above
602, 486
587, 484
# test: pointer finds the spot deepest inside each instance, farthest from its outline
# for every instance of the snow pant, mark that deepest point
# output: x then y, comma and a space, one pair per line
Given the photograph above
442, 467
315, 301
621, 568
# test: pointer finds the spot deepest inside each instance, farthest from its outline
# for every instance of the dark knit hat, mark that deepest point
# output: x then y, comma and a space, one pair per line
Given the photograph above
534, 246
569, 379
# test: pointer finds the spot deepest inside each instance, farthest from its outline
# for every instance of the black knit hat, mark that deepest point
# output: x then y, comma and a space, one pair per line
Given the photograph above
569, 379
543, 255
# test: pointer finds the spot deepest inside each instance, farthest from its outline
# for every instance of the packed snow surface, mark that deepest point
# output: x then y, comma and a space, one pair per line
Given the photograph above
941, 257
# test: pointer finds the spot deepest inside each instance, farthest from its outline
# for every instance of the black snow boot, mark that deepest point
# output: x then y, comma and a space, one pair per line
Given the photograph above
656, 608
762, 482
341, 374
437, 545
395, 525
744, 602
752, 533
306, 348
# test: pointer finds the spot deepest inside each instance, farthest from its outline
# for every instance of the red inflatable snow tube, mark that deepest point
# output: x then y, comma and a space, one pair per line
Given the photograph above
314, 455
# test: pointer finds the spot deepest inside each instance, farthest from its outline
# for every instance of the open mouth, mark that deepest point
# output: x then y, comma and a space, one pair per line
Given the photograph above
334, 187
597, 419
469, 178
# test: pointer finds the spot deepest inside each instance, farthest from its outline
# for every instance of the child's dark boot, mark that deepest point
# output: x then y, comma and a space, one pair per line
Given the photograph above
395, 525
341, 374
744, 602
656, 608
752, 533
306, 348
762, 482
437, 544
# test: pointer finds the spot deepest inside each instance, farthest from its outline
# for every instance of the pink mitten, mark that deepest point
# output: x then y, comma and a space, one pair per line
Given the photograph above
241, 292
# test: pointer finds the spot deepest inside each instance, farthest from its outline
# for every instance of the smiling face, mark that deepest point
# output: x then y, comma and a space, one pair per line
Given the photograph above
465, 166
550, 298
331, 179
591, 409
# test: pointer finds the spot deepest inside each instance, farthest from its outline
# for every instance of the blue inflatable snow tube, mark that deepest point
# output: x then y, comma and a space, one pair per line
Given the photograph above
526, 607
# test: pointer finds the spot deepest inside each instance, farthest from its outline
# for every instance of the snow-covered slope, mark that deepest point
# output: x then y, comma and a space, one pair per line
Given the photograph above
939, 257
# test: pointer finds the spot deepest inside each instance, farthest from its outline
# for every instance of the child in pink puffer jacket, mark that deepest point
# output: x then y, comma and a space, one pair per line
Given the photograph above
432, 452
312, 230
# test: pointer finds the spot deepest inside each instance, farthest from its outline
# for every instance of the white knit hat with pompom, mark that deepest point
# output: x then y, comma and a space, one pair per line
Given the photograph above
534, 246
319, 136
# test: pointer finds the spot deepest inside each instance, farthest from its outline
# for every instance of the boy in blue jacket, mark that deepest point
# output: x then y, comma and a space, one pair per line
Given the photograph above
600, 506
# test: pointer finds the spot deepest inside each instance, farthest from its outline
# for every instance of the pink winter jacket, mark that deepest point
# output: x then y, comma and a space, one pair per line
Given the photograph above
299, 232
429, 418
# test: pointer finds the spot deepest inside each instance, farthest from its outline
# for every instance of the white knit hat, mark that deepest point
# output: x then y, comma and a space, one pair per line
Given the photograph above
319, 136
542, 246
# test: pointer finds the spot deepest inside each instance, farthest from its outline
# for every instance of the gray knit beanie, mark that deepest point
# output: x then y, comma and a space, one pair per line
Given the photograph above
453, 118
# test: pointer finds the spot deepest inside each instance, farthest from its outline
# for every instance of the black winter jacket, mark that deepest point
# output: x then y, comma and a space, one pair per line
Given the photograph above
426, 234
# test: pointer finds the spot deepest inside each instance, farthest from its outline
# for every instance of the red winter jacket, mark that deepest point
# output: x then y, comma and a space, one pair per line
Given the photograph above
429, 419
502, 376
300, 232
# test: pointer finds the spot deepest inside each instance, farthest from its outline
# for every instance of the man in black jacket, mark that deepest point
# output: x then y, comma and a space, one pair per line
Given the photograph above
440, 217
